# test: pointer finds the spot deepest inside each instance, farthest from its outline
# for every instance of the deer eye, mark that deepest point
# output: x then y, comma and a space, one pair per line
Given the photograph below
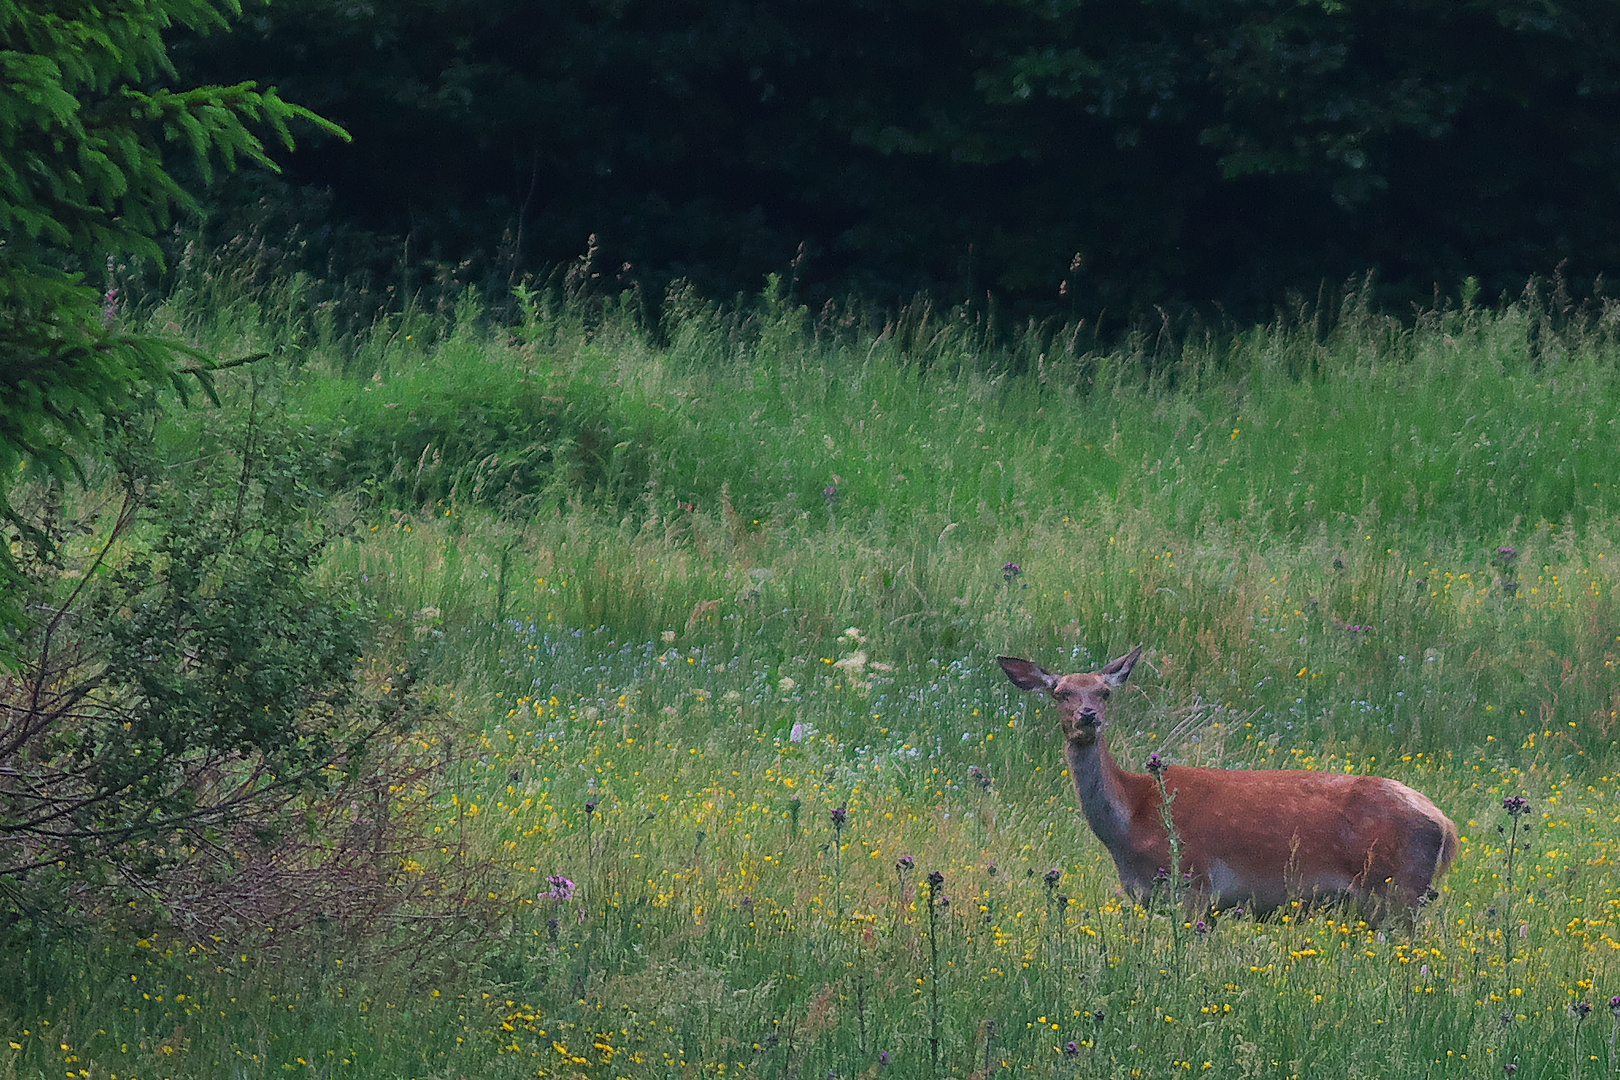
1103, 694
1062, 695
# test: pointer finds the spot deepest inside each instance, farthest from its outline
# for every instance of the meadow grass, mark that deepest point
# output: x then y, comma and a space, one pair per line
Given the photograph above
715, 613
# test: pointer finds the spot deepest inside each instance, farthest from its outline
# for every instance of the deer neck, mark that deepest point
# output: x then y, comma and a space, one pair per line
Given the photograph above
1099, 787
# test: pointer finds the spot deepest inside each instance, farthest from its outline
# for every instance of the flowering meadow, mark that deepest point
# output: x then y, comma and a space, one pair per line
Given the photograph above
723, 725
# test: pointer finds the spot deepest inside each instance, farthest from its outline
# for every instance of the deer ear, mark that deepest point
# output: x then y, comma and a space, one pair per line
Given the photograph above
1025, 675
1119, 670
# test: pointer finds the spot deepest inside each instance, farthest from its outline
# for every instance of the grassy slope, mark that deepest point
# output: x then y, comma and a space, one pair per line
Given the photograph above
638, 591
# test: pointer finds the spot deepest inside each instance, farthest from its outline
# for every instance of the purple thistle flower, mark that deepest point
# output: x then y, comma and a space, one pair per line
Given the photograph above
1071, 1049
1516, 805
904, 863
1510, 1068
1010, 571
840, 814
1156, 764
1052, 877
883, 1057
1506, 554
561, 888
935, 879
980, 776
1614, 1006
1581, 1009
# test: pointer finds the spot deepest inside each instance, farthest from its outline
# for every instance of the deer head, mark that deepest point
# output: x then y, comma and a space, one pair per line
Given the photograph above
1082, 698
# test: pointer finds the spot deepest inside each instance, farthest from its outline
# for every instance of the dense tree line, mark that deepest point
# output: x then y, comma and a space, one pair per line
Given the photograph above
1081, 154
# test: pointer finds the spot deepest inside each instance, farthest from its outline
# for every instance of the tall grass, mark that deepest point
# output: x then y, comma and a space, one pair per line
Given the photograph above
688, 595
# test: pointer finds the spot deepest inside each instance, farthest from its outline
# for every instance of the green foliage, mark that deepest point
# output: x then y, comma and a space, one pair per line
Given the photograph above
232, 647
1474, 422
466, 424
1077, 156
92, 152
658, 708
184, 675
87, 167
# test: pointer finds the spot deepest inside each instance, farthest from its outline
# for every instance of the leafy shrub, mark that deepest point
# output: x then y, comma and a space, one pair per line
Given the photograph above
469, 426
191, 724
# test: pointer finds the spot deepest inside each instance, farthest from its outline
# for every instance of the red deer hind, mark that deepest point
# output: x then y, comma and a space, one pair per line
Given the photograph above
1249, 838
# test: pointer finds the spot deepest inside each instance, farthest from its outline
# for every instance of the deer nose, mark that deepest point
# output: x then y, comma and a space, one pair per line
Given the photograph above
1088, 717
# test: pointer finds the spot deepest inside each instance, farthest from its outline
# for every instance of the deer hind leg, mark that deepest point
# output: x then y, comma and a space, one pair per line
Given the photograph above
1398, 884
1424, 854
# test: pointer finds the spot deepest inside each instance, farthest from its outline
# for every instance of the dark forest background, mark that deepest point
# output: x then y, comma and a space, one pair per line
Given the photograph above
1062, 156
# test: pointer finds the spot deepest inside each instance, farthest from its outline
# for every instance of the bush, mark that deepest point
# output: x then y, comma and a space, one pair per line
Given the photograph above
191, 724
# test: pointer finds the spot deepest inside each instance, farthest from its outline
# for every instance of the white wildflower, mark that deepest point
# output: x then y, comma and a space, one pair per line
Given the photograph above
854, 663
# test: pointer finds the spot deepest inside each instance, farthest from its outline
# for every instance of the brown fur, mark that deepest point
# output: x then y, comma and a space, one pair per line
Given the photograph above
1250, 838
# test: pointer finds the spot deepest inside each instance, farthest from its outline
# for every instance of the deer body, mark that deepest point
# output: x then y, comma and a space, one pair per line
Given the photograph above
1250, 838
